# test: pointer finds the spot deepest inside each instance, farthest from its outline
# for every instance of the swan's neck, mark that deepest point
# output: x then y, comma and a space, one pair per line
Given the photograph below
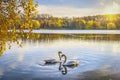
65, 58
59, 54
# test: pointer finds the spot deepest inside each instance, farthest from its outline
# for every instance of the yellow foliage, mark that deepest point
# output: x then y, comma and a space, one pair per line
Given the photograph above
35, 23
90, 23
83, 21
111, 26
14, 15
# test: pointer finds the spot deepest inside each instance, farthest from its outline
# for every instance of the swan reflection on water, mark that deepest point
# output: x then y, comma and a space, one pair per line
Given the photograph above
63, 69
63, 64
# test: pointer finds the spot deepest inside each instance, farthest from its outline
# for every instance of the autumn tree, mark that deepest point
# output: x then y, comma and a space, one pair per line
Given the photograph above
15, 15
111, 26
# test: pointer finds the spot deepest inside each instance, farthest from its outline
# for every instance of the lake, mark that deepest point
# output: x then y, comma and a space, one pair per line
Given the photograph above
98, 56
76, 31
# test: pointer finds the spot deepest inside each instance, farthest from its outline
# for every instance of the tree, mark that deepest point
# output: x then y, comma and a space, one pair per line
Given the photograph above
89, 24
14, 15
82, 24
35, 24
96, 25
111, 26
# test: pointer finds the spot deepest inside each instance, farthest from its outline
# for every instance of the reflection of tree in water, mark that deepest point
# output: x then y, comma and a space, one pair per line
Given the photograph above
8, 38
49, 38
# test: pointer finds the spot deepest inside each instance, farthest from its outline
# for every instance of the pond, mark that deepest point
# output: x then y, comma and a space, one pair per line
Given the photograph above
98, 56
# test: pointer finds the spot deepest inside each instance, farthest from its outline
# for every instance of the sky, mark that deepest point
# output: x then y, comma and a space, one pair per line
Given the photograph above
78, 8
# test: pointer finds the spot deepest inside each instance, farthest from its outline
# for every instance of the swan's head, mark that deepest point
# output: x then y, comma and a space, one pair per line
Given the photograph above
61, 55
59, 52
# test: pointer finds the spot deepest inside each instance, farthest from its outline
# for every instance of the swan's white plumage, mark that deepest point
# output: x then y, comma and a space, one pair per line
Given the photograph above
51, 61
71, 63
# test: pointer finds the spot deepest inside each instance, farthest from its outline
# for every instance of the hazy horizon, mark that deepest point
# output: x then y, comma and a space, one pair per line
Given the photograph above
78, 8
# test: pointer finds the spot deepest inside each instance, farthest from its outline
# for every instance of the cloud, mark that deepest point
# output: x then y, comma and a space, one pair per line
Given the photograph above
108, 2
112, 8
70, 8
67, 11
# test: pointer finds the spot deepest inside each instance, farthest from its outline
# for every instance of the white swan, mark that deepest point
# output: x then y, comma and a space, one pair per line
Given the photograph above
53, 61
64, 58
70, 63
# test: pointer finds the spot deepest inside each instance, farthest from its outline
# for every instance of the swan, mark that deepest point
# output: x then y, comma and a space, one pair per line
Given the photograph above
70, 63
53, 61
63, 59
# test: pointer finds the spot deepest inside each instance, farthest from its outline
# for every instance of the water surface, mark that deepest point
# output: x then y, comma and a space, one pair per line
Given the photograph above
98, 57
76, 31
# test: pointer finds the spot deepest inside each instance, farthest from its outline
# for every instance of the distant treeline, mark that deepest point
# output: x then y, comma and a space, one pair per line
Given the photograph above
104, 22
